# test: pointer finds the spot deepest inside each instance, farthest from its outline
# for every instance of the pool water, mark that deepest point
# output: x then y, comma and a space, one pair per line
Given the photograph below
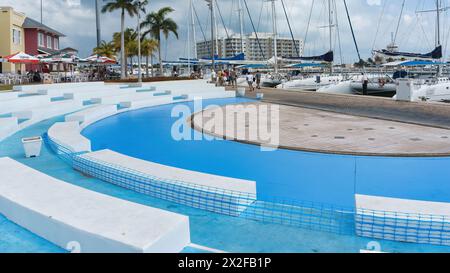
280, 174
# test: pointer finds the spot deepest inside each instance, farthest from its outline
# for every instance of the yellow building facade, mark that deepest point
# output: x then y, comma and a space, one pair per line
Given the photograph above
12, 36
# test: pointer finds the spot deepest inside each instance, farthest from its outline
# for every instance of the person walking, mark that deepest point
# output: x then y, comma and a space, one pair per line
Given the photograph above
250, 79
213, 77
258, 80
365, 84
233, 78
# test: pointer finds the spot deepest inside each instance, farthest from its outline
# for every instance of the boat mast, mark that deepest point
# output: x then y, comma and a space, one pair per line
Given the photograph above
330, 21
438, 23
438, 32
211, 7
189, 37
241, 24
275, 38
194, 36
216, 38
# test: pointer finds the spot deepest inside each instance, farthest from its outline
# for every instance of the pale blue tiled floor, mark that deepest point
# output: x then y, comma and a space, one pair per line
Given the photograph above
208, 229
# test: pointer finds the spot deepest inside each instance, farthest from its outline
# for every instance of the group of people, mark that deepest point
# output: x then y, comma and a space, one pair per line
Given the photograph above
225, 77
253, 78
229, 77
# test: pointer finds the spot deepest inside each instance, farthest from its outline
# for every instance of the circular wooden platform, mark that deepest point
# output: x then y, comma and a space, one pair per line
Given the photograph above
325, 132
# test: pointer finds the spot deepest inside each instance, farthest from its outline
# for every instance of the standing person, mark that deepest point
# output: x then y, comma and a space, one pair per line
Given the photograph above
233, 78
365, 83
258, 79
250, 80
213, 76
220, 76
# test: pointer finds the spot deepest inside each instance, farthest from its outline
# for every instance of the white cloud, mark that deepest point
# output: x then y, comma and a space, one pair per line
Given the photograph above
76, 19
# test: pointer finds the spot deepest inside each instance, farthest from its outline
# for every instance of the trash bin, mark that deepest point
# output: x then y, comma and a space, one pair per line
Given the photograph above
32, 146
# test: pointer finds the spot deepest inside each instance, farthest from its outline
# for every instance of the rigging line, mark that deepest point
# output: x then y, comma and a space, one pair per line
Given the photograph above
399, 21
253, 26
309, 22
351, 28
427, 39
338, 31
230, 17
290, 28
379, 23
260, 15
221, 19
200, 25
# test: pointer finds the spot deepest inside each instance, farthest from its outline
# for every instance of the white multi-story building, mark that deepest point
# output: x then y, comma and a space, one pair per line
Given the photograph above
254, 51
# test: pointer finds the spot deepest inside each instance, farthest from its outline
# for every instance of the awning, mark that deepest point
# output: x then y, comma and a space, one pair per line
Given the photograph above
413, 63
100, 59
252, 66
301, 65
22, 58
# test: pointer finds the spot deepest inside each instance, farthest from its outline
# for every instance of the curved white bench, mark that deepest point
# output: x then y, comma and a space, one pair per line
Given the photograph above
8, 126
65, 214
143, 103
118, 98
34, 88
214, 193
92, 114
87, 95
8, 95
53, 109
68, 135
212, 95
23, 103
404, 220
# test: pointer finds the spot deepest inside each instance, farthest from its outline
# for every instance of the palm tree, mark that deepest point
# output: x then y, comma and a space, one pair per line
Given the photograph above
149, 46
106, 49
157, 22
129, 40
130, 7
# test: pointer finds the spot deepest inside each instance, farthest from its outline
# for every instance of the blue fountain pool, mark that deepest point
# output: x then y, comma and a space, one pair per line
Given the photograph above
304, 176
281, 174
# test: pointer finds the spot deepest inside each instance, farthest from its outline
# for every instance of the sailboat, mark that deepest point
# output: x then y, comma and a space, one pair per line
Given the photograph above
272, 80
392, 53
316, 82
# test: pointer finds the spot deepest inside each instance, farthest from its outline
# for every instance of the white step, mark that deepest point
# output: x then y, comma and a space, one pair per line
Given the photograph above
92, 114
67, 215
68, 135
8, 126
8, 95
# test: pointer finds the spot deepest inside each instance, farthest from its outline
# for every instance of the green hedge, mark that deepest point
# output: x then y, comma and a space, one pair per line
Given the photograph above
5, 87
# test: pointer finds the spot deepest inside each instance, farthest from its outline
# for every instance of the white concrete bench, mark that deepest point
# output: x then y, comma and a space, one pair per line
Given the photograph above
210, 192
23, 103
8, 126
8, 95
68, 135
88, 95
36, 87
143, 103
92, 114
53, 109
67, 215
116, 99
402, 220
212, 95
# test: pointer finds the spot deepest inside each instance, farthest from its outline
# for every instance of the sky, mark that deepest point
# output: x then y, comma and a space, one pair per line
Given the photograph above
76, 18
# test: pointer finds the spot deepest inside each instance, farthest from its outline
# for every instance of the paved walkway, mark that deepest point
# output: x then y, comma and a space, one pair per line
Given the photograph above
423, 113
322, 131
